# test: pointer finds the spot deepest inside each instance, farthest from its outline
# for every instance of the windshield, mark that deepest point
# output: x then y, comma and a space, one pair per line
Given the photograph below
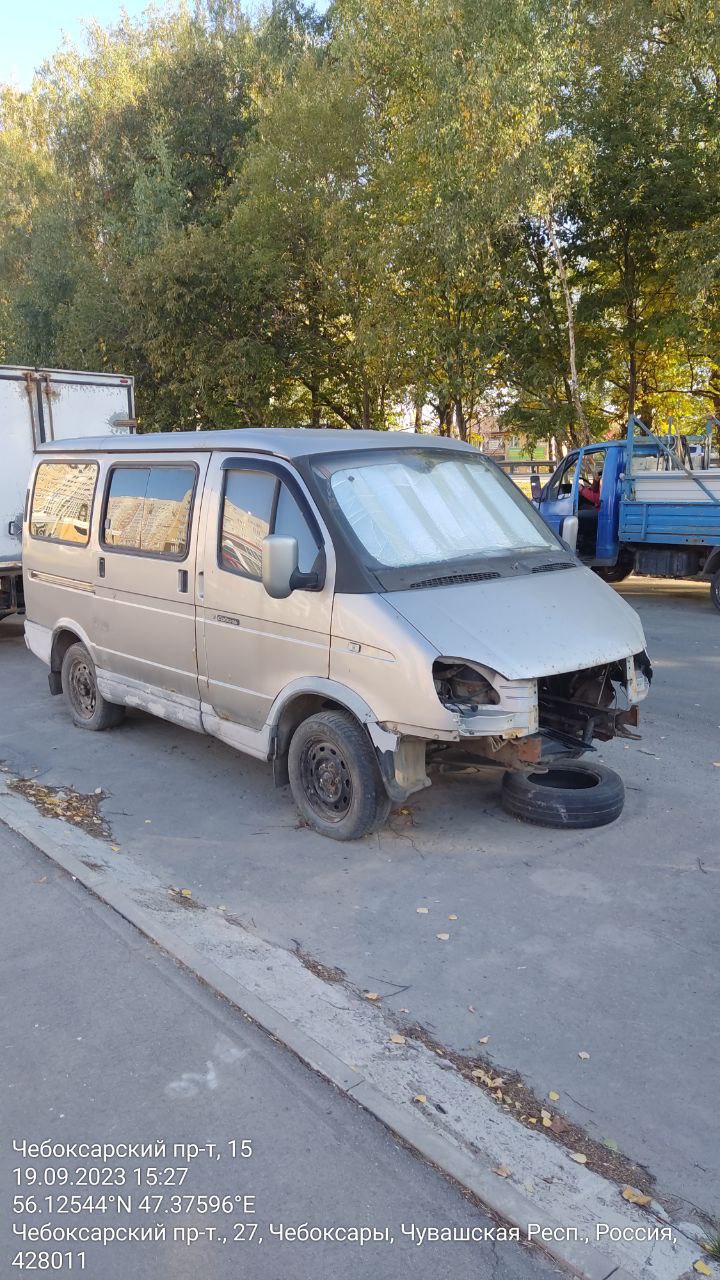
420, 506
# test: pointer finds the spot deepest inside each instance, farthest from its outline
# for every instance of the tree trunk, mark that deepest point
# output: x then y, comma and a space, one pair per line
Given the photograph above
444, 412
417, 425
314, 405
574, 383
460, 422
366, 416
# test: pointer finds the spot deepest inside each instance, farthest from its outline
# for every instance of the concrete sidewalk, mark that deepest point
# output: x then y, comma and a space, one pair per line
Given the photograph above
106, 1040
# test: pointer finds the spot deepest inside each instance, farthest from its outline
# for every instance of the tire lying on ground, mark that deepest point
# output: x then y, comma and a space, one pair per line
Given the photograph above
567, 795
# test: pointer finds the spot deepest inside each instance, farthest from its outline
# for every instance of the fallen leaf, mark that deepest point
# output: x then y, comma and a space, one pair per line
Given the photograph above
115, 848
702, 1267
483, 1040
498, 1094
371, 995
479, 1073
502, 1171
532, 1119
610, 1143
422, 911
578, 1157
553, 1096
42, 880
403, 1010
583, 1055
495, 1084
471, 1008
419, 1097
186, 893
397, 1039
452, 917
147, 820
98, 791
405, 812
635, 1197
442, 937
716, 764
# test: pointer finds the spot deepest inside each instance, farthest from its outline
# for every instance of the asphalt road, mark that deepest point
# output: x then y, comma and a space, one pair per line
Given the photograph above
106, 1040
604, 942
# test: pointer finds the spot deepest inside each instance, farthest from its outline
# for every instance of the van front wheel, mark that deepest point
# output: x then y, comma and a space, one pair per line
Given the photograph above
334, 777
88, 708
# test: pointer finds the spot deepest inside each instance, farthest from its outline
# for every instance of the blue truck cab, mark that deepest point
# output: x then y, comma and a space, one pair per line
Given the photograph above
639, 504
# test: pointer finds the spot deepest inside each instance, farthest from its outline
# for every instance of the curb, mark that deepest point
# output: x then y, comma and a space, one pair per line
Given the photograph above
500, 1198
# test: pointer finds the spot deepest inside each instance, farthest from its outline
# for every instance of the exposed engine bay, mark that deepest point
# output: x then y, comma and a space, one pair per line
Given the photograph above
573, 709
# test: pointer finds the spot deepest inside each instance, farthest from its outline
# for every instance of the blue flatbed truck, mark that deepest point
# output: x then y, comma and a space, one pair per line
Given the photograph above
658, 512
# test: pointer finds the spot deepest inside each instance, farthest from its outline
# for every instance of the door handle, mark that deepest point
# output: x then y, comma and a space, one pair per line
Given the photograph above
182, 579
201, 585
101, 567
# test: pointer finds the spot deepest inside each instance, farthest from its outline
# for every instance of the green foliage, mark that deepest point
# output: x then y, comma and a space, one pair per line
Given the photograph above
334, 218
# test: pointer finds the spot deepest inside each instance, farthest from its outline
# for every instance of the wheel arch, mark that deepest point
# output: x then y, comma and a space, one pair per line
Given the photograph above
64, 635
303, 698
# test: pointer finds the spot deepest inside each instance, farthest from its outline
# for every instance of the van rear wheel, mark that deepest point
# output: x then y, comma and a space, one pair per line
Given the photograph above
334, 777
88, 708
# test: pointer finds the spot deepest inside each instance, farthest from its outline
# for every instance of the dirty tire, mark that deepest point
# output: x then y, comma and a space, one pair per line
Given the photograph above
715, 589
88, 708
334, 776
568, 795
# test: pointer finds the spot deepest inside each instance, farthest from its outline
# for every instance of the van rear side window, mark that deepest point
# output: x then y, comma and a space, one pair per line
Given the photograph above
62, 501
148, 510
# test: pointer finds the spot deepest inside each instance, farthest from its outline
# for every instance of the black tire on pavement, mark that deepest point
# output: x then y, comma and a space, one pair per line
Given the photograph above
88, 708
715, 589
334, 776
614, 572
570, 794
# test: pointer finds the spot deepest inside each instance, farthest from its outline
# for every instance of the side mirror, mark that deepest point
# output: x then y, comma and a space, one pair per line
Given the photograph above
535, 486
279, 565
569, 532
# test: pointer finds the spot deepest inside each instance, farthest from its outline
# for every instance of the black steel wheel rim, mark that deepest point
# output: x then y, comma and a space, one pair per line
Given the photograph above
326, 780
82, 689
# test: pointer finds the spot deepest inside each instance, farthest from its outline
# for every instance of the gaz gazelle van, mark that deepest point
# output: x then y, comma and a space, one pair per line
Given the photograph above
355, 607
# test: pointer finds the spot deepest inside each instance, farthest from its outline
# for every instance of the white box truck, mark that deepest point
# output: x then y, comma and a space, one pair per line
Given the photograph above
37, 405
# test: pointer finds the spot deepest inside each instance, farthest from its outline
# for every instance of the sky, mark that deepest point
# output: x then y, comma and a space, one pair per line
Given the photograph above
30, 30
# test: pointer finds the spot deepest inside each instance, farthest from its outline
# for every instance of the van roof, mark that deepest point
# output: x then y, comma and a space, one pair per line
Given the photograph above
283, 442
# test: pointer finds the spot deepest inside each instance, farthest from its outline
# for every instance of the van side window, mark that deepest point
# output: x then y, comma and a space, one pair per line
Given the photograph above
148, 510
290, 521
257, 503
62, 501
246, 516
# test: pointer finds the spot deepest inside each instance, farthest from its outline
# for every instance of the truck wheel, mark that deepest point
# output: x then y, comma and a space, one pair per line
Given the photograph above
614, 572
88, 708
568, 795
715, 589
334, 776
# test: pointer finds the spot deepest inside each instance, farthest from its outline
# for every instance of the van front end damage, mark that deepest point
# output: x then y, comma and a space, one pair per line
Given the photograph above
514, 724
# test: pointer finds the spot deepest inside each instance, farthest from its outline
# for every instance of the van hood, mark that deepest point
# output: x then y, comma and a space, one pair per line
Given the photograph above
538, 624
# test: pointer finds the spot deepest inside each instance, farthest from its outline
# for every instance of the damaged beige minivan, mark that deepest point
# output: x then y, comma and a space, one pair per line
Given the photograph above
356, 607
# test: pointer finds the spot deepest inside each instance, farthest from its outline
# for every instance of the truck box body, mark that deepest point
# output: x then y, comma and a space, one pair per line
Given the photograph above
39, 405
